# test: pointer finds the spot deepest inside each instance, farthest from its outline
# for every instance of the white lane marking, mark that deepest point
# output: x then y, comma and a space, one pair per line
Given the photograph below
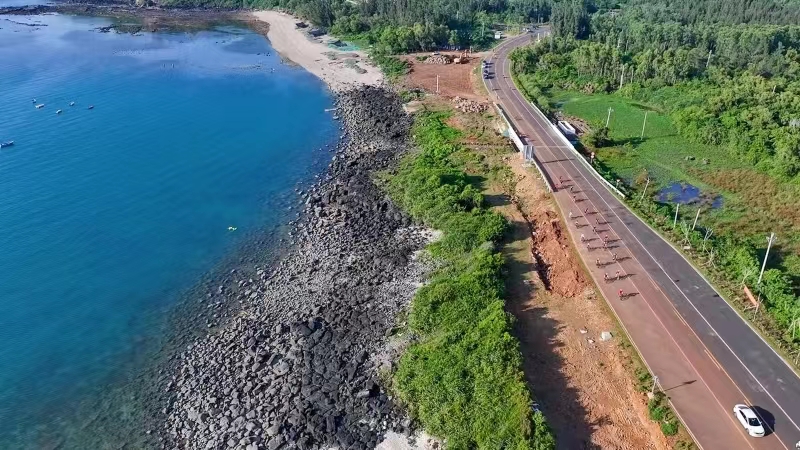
723, 410
546, 130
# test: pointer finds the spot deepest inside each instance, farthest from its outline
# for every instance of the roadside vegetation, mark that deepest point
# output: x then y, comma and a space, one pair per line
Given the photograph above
461, 377
658, 407
720, 87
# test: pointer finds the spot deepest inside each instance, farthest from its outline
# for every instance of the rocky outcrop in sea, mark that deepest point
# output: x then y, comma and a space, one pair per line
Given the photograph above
300, 363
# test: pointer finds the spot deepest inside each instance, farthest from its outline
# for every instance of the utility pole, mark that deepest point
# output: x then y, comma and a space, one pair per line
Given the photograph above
622, 76
773, 88
437, 84
645, 189
653, 389
770, 241
608, 119
696, 216
708, 61
643, 124
675, 222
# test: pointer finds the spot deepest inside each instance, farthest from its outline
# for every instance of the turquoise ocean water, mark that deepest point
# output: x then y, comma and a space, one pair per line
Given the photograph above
108, 215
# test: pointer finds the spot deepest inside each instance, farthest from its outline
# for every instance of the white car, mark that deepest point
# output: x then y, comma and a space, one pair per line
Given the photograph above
749, 420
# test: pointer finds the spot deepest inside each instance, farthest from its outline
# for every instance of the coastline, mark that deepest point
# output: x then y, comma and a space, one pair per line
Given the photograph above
338, 69
126, 408
301, 361
324, 299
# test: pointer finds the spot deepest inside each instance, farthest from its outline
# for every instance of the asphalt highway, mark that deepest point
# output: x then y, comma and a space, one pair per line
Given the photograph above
706, 357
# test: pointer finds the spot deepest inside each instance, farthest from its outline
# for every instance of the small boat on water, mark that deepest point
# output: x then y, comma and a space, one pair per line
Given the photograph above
34, 100
58, 112
40, 106
6, 144
71, 103
90, 107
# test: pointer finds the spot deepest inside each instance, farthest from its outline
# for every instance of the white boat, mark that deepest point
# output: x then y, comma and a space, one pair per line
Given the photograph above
40, 106
71, 103
58, 112
6, 144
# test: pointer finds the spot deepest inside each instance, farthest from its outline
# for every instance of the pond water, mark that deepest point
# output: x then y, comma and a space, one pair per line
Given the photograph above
688, 194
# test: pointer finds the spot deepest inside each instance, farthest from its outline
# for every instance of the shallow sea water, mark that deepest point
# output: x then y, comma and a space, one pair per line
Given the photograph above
108, 215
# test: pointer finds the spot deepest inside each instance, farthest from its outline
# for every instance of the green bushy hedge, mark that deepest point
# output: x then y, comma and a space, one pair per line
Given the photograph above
462, 378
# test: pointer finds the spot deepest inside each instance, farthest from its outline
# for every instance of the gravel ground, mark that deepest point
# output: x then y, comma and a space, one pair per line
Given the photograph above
294, 368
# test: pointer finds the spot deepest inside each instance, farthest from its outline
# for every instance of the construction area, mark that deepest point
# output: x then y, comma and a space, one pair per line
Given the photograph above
454, 73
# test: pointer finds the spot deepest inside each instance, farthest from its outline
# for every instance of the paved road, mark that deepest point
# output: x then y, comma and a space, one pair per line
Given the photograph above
706, 357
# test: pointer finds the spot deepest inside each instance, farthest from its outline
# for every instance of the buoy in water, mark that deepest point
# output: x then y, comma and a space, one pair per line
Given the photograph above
231, 228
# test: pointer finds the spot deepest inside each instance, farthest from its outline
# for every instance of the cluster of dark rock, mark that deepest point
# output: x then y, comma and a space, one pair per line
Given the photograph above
300, 364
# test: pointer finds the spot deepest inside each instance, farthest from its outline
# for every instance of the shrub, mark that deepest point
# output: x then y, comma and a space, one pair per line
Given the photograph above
390, 66
462, 378
669, 428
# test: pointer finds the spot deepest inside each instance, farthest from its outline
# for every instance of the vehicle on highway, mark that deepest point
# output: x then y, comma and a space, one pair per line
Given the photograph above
749, 420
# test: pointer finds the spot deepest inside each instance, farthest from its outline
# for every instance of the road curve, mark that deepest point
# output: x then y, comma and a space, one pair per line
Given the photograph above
706, 357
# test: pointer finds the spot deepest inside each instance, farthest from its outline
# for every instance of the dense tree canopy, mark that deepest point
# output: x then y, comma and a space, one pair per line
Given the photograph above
399, 26
570, 18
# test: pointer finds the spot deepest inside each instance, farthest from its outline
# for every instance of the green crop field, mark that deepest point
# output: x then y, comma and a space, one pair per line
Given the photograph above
661, 152
753, 203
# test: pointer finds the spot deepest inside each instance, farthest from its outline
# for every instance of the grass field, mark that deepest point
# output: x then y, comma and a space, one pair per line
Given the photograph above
753, 203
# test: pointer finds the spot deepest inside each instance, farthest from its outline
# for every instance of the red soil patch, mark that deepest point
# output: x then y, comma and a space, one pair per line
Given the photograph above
455, 80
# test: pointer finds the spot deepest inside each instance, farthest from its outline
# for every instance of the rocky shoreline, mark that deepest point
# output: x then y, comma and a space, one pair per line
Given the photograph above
130, 19
300, 364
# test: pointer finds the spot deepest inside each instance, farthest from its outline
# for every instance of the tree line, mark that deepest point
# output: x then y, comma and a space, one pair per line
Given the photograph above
401, 26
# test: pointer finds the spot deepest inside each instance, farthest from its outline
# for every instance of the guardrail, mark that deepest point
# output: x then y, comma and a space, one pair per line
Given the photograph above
569, 145
514, 135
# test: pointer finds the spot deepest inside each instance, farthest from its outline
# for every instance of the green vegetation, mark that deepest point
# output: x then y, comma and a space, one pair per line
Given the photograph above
736, 226
392, 67
727, 123
658, 407
461, 377
662, 153
392, 27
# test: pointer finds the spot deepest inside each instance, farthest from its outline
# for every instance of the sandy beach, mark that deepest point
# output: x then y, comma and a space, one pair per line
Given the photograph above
339, 69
